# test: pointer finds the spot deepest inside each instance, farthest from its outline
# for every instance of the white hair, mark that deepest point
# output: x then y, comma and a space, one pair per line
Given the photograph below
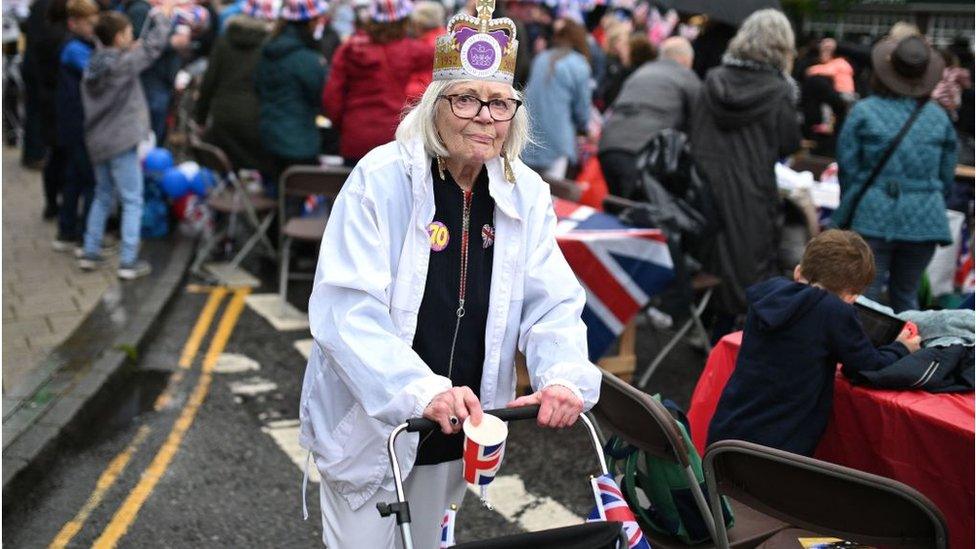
419, 122
765, 37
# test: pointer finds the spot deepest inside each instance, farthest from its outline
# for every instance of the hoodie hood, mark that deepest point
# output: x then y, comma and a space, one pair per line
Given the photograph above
778, 302
737, 96
100, 66
245, 32
289, 41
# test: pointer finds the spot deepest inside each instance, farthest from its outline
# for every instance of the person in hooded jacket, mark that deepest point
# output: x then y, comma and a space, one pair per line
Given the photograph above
743, 122
227, 95
289, 81
371, 78
781, 392
45, 32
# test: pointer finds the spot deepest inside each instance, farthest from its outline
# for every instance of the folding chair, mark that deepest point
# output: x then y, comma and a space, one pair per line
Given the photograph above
703, 286
304, 181
566, 189
232, 200
645, 423
821, 498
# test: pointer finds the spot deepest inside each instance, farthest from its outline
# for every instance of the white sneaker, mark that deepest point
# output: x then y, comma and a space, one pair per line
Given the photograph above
134, 270
59, 245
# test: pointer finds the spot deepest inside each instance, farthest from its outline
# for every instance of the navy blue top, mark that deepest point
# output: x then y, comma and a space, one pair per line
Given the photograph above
437, 318
782, 390
70, 116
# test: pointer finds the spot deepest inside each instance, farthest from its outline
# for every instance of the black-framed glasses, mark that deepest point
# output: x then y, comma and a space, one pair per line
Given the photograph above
468, 106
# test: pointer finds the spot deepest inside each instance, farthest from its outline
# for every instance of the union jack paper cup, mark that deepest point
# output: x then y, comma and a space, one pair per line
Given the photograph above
484, 446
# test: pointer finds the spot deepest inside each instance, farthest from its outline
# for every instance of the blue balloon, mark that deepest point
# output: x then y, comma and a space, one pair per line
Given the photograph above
174, 183
202, 182
158, 160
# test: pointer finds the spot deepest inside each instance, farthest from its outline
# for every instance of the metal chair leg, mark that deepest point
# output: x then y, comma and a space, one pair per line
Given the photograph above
204, 252
251, 242
283, 276
663, 353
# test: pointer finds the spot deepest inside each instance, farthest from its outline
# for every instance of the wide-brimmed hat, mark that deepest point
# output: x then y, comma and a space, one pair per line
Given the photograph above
908, 66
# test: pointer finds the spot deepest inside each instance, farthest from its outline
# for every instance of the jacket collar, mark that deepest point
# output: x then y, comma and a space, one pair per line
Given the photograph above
418, 168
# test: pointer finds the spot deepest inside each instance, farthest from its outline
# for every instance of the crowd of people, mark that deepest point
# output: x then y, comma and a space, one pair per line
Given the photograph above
600, 84
452, 129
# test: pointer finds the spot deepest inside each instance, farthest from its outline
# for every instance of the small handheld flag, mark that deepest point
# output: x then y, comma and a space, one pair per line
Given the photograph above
611, 506
447, 527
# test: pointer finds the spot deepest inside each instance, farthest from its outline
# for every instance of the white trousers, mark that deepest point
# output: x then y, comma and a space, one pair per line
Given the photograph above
430, 490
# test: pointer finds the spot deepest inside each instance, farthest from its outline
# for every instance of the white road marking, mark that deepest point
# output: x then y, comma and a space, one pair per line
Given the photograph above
532, 513
304, 346
233, 363
283, 316
285, 434
232, 277
252, 386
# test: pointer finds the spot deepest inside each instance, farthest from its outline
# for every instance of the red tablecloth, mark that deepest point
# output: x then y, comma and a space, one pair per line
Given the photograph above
924, 440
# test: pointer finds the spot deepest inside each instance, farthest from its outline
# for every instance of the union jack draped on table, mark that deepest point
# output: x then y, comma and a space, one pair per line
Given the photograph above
620, 268
610, 505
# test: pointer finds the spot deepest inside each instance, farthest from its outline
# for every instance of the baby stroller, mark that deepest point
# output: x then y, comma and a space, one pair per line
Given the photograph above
592, 535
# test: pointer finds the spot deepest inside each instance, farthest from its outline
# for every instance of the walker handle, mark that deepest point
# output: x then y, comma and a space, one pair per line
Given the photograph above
422, 424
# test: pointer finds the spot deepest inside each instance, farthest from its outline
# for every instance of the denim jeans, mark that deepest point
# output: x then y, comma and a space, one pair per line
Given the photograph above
158, 96
900, 265
122, 174
79, 184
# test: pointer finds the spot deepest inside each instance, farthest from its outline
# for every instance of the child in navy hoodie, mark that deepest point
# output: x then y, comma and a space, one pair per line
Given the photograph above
782, 390
79, 180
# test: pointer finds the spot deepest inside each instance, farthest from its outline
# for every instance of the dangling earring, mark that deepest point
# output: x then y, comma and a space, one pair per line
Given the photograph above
509, 172
440, 167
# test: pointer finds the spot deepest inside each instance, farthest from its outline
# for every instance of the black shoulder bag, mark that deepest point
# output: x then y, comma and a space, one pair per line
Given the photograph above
846, 223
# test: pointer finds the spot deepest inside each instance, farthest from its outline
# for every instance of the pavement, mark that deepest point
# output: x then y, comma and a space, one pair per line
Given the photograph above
45, 295
68, 337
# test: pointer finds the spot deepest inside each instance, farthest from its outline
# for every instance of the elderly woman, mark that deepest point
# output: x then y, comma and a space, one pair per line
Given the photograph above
438, 263
744, 122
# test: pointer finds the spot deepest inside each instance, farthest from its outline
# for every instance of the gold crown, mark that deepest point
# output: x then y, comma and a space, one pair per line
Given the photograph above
477, 48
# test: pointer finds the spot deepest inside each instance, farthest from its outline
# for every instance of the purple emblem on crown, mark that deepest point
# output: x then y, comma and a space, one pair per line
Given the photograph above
481, 56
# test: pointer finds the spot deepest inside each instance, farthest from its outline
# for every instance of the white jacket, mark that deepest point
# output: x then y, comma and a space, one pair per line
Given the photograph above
363, 378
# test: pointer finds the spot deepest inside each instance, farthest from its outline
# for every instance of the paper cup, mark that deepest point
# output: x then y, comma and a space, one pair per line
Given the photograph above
484, 446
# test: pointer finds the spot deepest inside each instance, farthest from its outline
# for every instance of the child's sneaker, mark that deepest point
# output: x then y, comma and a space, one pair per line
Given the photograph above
134, 270
90, 262
60, 245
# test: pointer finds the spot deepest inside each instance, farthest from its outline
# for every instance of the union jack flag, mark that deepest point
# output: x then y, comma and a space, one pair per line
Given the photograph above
481, 462
620, 268
611, 506
447, 527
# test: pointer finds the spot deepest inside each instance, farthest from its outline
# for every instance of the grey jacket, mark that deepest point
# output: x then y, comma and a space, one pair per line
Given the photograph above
116, 114
659, 95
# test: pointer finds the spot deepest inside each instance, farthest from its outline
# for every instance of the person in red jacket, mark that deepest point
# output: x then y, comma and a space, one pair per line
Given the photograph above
372, 75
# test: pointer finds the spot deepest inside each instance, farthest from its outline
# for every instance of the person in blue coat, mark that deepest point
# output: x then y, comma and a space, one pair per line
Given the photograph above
289, 78
902, 215
558, 93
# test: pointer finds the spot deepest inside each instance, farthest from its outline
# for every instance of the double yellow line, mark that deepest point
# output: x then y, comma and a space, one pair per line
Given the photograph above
127, 512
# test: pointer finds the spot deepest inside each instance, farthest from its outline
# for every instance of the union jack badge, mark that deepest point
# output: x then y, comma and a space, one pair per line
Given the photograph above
487, 236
